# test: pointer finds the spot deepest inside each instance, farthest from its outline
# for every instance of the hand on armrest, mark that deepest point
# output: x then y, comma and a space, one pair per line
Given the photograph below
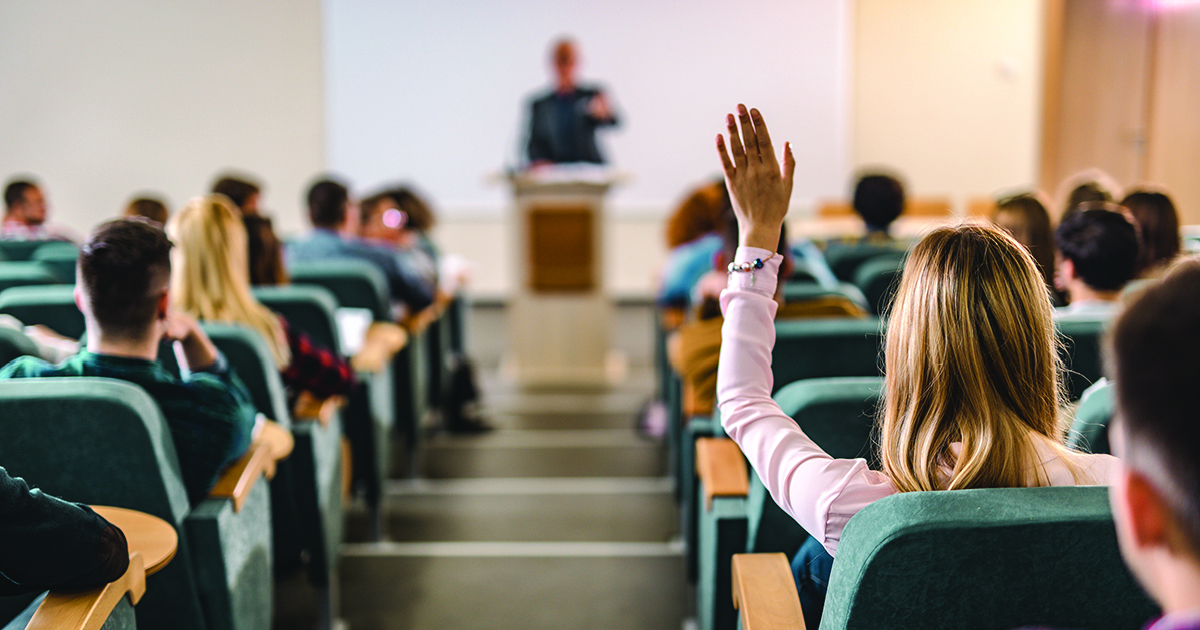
310, 408
89, 610
721, 468
382, 341
765, 592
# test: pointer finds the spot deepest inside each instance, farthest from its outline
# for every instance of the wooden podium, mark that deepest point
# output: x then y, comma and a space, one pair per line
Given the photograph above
560, 319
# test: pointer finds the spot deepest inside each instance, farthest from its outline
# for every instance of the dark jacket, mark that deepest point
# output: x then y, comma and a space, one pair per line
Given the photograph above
574, 140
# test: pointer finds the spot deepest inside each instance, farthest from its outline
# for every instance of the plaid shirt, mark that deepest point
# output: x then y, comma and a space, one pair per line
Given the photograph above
210, 412
314, 368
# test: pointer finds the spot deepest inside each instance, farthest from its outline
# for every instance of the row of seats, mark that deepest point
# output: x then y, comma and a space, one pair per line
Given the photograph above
121, 452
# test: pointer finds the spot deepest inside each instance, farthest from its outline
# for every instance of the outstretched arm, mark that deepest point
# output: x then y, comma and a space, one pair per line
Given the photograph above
759, 188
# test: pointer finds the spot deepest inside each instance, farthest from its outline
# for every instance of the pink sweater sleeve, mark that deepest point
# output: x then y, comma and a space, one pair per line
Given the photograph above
820, 492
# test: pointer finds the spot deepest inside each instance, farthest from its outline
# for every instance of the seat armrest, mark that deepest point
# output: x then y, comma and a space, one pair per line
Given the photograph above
721, 468
89, 610
311, 408
239, 478
765, 592
382, 341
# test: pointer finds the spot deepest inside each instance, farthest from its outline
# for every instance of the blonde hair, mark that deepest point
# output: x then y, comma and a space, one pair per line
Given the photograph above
210, 271
972, 358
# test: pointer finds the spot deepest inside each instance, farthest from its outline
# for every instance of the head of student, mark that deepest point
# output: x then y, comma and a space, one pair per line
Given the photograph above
1158, 229
1097, 250
1025, 217
151, 208
879, 200
970, 359
328, 204
701, 212
382, 219
415, 208
124, 269
24, 202
243, 192
210, 276
1152, 349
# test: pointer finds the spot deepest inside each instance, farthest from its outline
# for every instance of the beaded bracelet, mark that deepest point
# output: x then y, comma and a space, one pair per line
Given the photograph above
750, 267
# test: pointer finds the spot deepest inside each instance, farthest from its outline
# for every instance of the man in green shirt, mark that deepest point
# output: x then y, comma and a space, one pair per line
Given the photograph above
123, 272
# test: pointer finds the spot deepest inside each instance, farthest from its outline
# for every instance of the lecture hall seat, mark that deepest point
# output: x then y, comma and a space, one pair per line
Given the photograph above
104, 441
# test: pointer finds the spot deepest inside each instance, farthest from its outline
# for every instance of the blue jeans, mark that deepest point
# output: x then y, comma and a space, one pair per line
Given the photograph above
811, 567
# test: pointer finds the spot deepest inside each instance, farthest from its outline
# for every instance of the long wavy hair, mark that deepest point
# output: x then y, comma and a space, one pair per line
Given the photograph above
971, 358
210, 277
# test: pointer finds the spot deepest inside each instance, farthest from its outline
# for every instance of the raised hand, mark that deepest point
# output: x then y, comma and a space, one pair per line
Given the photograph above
759, 188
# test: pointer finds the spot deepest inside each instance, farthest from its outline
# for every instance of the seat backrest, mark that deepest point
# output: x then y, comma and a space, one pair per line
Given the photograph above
988, 558
104, 442
13, 344
800, 291
820, 348
310, 308
839, 415
878, 278
20, 250
248, 354
844, 258
52, 306
1081, 353
355, 283
24, 274
1089, 430
60, 258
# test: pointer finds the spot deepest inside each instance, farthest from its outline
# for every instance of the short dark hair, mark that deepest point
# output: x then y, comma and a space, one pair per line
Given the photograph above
1151, 354
327, 203
238, 190
1158, 226
266, 252
124, 267
1102, 245
878, 199
14, 192
150, 207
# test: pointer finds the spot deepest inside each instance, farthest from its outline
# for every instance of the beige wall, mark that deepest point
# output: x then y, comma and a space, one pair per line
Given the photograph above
948, 93
103, 98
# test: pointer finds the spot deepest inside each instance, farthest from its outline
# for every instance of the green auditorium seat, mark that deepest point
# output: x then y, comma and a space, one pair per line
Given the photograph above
800, 291
1089, 431
839, 415
24, 274
820, 348
354, 283
844, 258
52, 306
878, 278
1081, 352
20, 250
105, 442
306, 491
987, 558
13, 344
311, 308
60, 258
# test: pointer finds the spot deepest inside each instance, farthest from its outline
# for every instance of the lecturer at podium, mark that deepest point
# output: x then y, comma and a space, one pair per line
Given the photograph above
563, 122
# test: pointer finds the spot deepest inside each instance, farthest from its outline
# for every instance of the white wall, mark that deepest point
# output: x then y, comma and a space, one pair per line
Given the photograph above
106, 98
949, 92
433, 92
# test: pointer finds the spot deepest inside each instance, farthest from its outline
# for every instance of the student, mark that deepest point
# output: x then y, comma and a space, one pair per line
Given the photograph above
124, 270
1025, 217
150, 207
1097, 256
1158, 230
329, 211
210, 281
971, 392
1155, 490
25, 212
694, 238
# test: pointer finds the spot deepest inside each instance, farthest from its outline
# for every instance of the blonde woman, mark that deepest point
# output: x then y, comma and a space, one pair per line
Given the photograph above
971, 388
210, 280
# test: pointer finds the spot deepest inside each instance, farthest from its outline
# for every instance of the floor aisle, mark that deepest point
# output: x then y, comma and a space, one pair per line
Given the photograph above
562, 518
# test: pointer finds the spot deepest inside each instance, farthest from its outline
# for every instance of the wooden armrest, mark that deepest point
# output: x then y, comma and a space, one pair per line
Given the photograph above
239, 478
765, 591
416, 323
722, 469
311, 408
89, 611
382, 341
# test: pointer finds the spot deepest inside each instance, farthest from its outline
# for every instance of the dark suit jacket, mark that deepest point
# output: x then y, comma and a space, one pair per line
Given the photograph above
546, 137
